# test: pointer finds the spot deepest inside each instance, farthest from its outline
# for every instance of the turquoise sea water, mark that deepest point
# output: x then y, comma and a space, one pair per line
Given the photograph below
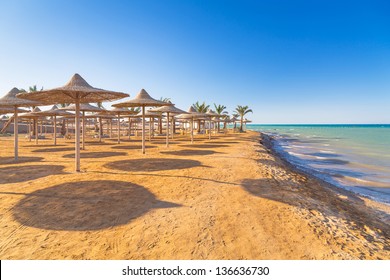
355, 157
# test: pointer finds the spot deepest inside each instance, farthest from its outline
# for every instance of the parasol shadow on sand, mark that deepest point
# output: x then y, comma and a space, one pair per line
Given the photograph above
205, 146
11, 160
53, 150
17, 174
153, 164
76, 91
86, 205
131, 147
199, 152
142, 99
97, 155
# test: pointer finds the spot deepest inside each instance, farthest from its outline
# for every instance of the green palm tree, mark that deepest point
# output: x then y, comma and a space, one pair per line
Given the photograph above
165, 99
136, 110
219, 109
242, 111
200, 108
100, 105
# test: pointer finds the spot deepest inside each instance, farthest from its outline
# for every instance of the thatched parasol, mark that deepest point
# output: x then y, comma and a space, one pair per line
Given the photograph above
191, 114
10, 100
151, 115
126, 113
6, 110
118, 112
210, 114
76, 91
168, 109
54, 112
33, 116
102, 115
84, 107
142, 99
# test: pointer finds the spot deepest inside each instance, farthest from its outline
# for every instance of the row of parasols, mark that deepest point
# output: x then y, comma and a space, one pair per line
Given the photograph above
78, 93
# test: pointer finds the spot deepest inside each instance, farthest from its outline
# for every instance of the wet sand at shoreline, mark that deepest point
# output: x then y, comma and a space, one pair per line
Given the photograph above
228, 198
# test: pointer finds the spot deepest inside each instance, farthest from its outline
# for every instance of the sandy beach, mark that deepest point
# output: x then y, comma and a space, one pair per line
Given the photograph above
228, 198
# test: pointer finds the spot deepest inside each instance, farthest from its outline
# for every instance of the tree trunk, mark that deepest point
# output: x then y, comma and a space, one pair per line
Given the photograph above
241, 122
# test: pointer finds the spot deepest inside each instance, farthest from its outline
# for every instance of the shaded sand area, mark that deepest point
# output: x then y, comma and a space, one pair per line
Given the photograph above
228, 198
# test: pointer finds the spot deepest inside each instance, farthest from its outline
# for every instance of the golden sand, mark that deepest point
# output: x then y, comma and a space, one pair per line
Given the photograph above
229, 198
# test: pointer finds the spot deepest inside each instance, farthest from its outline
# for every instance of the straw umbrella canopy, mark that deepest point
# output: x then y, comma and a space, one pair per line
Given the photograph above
143, 99
191, 114
168, 109
118, 112
76, 91
6, 110
129, 114
33, 116
151, 115
10, 100
54, 112
84, 107
101, 116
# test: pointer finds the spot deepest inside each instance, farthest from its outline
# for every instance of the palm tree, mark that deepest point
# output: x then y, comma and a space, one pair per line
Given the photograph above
219, 109
100, 105
200, 108
242, 111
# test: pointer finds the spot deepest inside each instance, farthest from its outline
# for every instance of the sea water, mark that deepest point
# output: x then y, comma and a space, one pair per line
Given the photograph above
354, 157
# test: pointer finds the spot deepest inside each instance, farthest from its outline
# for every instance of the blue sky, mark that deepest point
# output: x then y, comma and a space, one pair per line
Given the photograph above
290, 61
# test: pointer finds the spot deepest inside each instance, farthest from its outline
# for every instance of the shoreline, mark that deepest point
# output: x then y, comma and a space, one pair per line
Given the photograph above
268, 142
229, 198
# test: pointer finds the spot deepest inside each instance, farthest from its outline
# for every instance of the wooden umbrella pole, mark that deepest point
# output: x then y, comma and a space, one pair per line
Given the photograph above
173, 127
167, 129
55, 130
110, 128
129, 127
29, 130
83, 146
100, 129
210, 129
119, 128
143, 129
16, 133
192, 130
36, 131
150, 129
77, 140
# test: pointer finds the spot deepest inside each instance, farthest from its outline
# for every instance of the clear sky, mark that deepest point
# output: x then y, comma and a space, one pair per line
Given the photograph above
290, 61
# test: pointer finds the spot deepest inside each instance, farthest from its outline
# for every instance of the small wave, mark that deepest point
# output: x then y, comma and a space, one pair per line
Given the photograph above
327, 151
364, 182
